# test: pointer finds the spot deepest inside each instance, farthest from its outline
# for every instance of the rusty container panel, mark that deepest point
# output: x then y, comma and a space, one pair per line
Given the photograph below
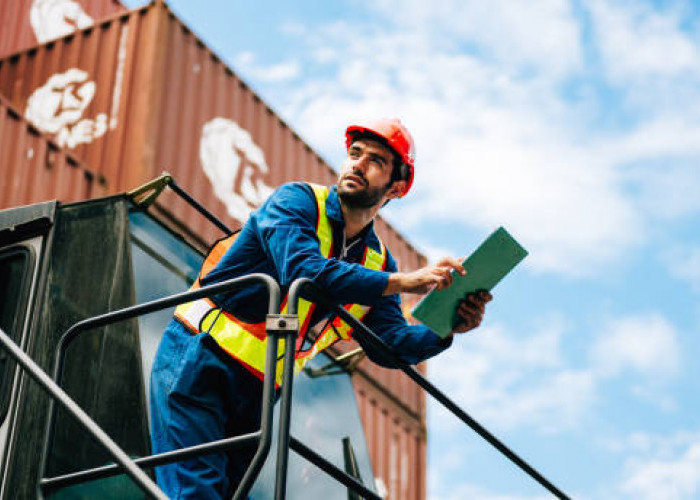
35, 169
217, 137
26, 23
139, 93
396, 441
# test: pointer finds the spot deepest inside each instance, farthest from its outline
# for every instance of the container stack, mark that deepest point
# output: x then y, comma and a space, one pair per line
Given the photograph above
125, 95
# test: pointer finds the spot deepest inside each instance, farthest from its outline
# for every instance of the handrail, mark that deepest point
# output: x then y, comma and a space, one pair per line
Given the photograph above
277, 326
163, 303
152, 189
360, 330
35, 371
164, 458
330, 469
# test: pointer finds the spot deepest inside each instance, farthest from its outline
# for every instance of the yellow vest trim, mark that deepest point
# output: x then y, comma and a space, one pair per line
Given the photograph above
249, 343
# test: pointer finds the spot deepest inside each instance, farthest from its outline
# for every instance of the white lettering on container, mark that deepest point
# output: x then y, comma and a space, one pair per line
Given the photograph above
58, 106
52, 19
235, 165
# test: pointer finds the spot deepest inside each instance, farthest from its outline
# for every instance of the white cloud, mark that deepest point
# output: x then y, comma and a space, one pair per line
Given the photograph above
510, 381
638, 41
676, 479
273, 73
496, 144
656, 466
684, 263
499, 142
661, 467
646, 344
540, 33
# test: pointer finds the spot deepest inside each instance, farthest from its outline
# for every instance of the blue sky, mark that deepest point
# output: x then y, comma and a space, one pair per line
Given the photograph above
574, 124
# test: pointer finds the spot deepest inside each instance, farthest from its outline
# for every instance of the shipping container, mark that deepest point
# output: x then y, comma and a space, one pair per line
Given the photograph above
34, 168
26, 23
137, 94
396, 438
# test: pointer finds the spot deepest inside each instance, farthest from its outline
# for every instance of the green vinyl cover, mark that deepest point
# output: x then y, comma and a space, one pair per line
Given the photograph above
489, 263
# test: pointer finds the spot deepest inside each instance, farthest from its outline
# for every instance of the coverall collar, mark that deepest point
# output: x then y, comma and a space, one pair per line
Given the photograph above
335, 213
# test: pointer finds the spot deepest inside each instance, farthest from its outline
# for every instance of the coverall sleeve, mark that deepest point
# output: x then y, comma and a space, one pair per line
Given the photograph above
412, 343
286, 226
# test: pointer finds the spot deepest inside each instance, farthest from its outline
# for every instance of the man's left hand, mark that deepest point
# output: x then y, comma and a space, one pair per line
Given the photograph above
471, 310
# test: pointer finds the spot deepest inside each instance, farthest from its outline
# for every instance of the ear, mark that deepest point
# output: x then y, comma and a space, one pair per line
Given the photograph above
396, 189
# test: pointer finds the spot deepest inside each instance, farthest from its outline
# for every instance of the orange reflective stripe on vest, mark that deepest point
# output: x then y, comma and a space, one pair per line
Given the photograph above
248, 342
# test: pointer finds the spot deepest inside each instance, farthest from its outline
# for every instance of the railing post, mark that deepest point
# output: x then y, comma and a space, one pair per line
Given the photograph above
290, 333
266, 418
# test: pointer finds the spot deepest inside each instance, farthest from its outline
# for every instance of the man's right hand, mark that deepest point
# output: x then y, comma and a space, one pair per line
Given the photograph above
438, 276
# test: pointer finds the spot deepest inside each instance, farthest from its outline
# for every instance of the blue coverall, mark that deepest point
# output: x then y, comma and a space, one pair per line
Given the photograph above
199, 393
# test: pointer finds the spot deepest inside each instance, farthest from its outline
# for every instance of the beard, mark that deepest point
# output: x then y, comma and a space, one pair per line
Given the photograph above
365, 198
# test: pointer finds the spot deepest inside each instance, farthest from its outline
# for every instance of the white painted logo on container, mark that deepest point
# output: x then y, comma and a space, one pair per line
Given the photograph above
58, 107
56, 18
235, 165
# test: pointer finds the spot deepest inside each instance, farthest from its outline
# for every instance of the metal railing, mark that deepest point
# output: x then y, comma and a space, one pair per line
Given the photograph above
263, 436
361, 331
279, 327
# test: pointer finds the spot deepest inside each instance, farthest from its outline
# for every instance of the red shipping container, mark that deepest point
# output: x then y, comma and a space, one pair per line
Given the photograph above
34, 168
26, 23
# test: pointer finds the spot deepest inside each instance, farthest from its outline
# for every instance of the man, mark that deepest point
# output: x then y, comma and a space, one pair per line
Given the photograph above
207, 376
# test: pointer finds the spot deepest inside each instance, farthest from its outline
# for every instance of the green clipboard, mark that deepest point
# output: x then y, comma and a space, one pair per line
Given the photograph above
489, 263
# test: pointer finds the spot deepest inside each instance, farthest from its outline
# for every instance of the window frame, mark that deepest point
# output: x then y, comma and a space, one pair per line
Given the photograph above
19, 320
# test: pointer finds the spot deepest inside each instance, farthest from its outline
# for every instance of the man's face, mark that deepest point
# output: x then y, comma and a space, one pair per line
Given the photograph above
365, 177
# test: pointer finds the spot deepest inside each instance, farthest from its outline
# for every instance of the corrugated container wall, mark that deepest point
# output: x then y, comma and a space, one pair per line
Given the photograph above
26, 23
138, 94
33, 168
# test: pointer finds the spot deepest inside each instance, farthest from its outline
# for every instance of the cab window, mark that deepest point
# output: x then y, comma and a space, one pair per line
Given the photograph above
14, 288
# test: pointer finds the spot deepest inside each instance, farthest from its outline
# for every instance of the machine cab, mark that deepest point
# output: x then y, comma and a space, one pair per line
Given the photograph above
62, 263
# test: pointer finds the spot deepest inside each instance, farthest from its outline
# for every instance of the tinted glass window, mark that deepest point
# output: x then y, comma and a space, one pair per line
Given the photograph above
163, 265
89, 273
323, 414
14, 279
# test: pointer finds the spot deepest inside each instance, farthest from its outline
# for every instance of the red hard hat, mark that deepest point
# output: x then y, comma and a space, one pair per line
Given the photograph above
396, 136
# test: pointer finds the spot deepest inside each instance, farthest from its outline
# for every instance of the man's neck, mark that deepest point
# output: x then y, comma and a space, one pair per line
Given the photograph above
356, 219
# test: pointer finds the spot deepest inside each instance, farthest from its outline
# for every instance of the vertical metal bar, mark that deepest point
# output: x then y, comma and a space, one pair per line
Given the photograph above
351, 467
268, 396
287, 385
285, 412
35, 371
265, 419
333, 471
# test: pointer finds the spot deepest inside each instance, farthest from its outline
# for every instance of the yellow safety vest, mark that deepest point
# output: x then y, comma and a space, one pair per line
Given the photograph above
247, 342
